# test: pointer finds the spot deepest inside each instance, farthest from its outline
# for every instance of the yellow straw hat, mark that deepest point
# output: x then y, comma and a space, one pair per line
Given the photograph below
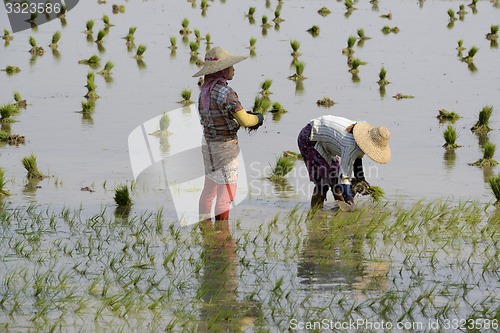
217, 59
373, 141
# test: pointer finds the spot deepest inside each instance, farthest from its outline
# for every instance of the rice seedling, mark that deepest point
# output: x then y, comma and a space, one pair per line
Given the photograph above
91, 86
194, 47
447, 115
173, 43
493, 34
100, 36
349, 5
376, 193
265, 22
264, 86
387, 16
140, 51
387, 30
351, 40
277, 110
382, 80
495, 187
186, 97
3, 182
35, 49
92, 61
282, 167
88, 106
208, 40
323, 11
10, 70
399, 96
461, 12
325, 101
251, 11
261, 105
7, 37
295, 45
197, 35
122, 196
20, 102
106, 71
460, 47
253, 41
450, 137
6, 113
482, 124
354, 67
107, 21
299, 71
361, 35
469, 59
129, 38
488, 153
55, 39
30, 164
89, 27
473, 3
451, 14
314, 30
185, 27
277, 16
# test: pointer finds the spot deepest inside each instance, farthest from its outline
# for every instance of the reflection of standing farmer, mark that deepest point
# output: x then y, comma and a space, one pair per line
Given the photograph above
221, 115
332, 148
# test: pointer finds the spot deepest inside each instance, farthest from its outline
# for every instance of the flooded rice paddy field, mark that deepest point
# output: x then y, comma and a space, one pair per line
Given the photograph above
428, 252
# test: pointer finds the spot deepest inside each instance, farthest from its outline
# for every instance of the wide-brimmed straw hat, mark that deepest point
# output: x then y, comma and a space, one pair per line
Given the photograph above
217, 59
373, 141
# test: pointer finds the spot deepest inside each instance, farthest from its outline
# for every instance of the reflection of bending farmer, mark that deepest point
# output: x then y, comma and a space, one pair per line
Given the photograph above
332, 148
221, 115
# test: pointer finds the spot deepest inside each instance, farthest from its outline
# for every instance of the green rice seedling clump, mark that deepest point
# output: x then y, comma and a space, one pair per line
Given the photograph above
55, 39
261, 105
447, 115
130, 36
251, 11
488, 153
90, 26
460, 46
93, 60
20, 102
265, 22
469, 58
399, 96
314, 30
35, 49
323, 11
122, 196
495, 187
362, 35
325, 101
107, 21
3, 182
186, 97
277, 16
493, 34
185, 27
30, 164
295, 45
450, 137
376, 192
108, 67
283, 166
164, 122
354, 66
265, 86
482, 124
194, 47
7, 37
100, 36
6, 112
173, 43
382, 80
208, 39
11, 70
299, 71
253, 41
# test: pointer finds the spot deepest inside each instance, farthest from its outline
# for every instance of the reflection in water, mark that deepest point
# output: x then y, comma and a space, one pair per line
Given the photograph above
487, 173
482, 138
332, 257
299, 87
31, 186
221, 311
449, 159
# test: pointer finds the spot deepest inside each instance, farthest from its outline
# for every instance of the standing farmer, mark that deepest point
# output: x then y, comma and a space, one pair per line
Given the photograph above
221, 115
333, 147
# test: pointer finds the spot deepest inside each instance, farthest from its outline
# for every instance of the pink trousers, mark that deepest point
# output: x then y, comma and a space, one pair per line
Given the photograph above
224, 193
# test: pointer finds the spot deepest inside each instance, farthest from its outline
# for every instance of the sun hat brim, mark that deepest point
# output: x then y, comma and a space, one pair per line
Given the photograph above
363, 139
211, 67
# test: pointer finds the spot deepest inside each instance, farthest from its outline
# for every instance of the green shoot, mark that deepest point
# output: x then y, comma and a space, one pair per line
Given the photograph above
30, 164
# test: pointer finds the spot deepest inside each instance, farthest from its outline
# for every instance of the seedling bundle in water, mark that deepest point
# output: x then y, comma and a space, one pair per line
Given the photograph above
482, 124
283, 166
447, 115
10, 70
186, 97
20, 102
55, 39
122, 196
29, 163
488, 153
6, 113
35, 49
325, 101
495, 187
450, 136
3, 182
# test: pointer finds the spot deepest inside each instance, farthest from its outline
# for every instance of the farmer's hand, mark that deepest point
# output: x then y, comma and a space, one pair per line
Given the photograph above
343, 192
261, 120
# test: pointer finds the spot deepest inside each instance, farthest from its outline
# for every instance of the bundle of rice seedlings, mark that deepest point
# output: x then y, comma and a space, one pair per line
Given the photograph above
93, 61
450, 137
164, 122
140, 51
451, 14
55, 39
208, 39
173, 43
382, 80
314, 30
461, 11
447, 115
387, 16
482, 124
399, 96
261, 105
493, 34
265, 22
7, 37
88, 106
351, 41
323, 11
194, 46
4, 136
361, 35
107, 69
282, 167
376, 193
35, 49
299, 70
354, 67
185, 27
470, 55
488, 153
3, 182
130, 36
11, 70
473, 3
251, 11
253, 41
495, 187
295, 45
107, 22
122, 196
277, 110
29, 163
186, 97
460, 47
387, 29
6, 112
349, 6
91, 86
325, 101
20, 102
264, 86
277, 16
100, 36
90, 26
